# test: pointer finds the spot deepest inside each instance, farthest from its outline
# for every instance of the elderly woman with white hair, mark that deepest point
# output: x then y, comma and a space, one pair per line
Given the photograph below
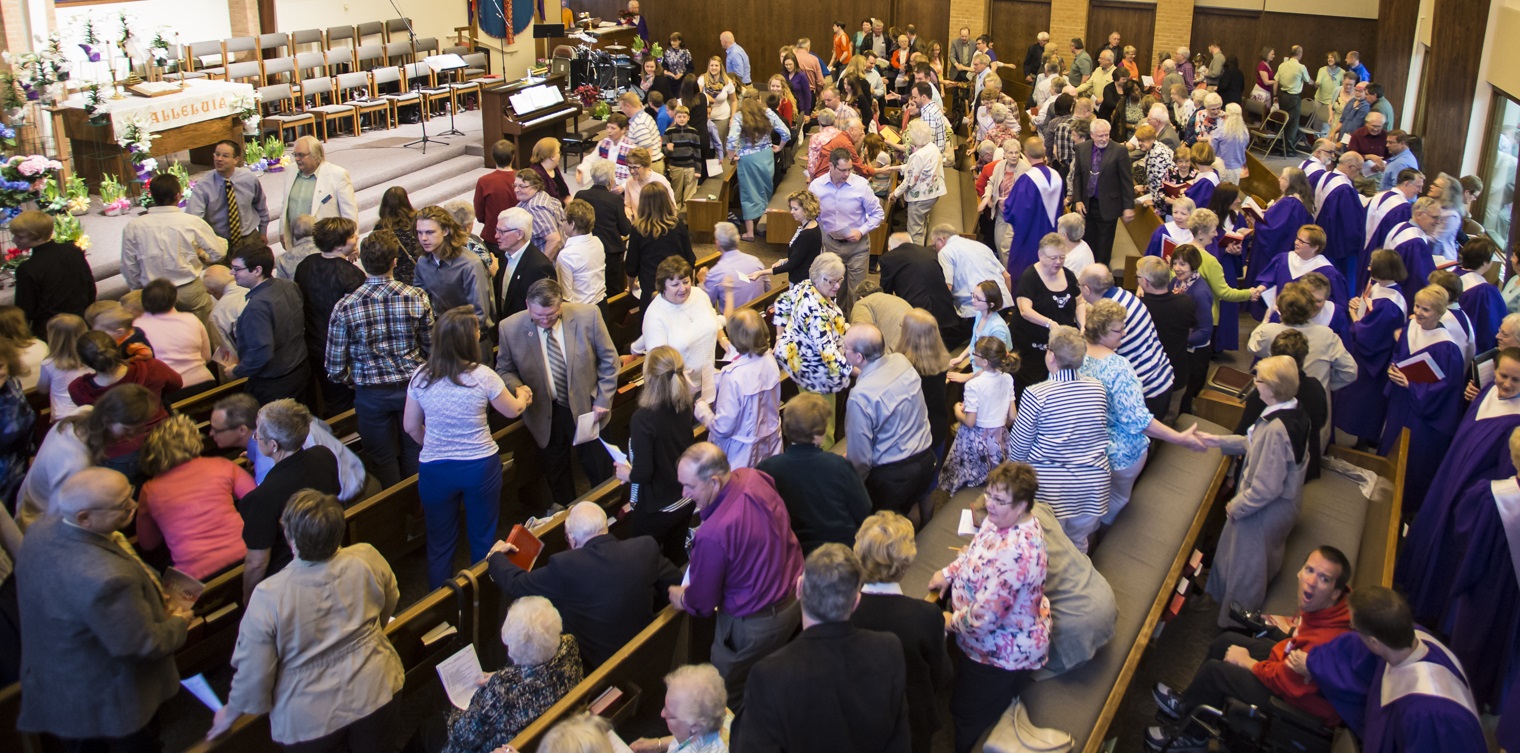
1207, 120
546, 664
1071, 227
1005, 124
923, 179
695, 711
1174, 232
1005, 173
810, 332
1269, 495
1230, 144
464, 214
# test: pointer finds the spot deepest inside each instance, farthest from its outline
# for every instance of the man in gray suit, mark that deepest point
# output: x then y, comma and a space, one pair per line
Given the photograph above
561, 350
97, 640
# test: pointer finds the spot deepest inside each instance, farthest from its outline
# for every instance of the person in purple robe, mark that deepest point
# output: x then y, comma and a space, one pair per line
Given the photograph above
1341, 214
1396, 686
1481, 299
1031, 209
1326, 311
1308, 256
1274, 232
1430, 410
1415, 244
1174, 229
1484, 618
632, 17
1479, 453
1384, 211
1229, 252
1376, 318
1455, 320
1204, 225
1318, 165
1205, 178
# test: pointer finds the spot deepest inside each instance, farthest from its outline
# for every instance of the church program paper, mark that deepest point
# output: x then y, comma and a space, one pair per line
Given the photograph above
461, 675
586, 428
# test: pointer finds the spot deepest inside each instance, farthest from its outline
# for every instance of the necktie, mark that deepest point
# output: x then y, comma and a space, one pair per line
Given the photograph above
558, 371
234, 222
120, 540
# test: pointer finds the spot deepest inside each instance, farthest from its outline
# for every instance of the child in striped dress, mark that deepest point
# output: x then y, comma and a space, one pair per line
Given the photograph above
984, 417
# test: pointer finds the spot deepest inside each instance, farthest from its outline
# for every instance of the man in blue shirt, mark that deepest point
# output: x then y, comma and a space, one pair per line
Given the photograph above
847, 213
1400, 156
1354, 113
1354, 64
735, 58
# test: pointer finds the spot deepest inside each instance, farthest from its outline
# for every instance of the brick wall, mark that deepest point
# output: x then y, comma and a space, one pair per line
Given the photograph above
972, 14
245, 17
1174, 25
1068, 19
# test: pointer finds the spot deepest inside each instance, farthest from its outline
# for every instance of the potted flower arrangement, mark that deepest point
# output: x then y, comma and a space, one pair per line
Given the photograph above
178, 171
93, 105
66, 229
588, 94
138, 141
246, 107
114, 196
274, 154
253, 155
91, 40
77, 194
12, 99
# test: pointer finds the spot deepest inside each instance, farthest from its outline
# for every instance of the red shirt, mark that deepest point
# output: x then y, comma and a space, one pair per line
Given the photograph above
1314, 629
494, 194
151, 373
842, 141
1365, 144
191, 507
842, 52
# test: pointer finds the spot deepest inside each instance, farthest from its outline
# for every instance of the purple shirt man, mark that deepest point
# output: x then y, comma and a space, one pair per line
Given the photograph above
749, 275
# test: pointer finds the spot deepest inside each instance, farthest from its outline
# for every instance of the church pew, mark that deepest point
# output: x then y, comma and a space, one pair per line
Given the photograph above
198, 407
380, 521
1140, 230
779, 225
710, 206
1262, 182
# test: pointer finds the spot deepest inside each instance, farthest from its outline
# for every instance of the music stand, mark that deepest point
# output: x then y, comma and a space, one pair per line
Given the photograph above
422, 110
443, 64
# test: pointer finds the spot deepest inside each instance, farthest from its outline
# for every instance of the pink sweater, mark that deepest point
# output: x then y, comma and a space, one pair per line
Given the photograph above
190, 508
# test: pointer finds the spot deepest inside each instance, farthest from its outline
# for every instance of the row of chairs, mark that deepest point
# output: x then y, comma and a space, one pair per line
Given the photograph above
290, 68
1269, 129
206, 58
348, 96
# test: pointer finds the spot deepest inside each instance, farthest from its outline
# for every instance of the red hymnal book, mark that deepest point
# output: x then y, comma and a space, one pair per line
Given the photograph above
1167, 247
1421, 369
1175, 189
528, 547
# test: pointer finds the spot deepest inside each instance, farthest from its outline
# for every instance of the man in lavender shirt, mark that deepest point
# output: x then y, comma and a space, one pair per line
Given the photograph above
744, 563
847, 213
747, 277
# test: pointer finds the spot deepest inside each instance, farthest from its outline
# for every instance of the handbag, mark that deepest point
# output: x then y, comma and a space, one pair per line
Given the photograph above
1014, 733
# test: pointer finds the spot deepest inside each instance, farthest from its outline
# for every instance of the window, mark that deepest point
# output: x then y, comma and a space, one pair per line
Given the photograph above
1500, 155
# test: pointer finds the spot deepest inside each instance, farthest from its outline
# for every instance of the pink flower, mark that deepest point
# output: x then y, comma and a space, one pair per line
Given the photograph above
36, 165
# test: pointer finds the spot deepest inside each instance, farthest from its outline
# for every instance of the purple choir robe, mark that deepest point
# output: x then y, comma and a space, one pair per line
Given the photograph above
1227, 329
1456, 321
1289, 268
1314, 170
1485, 618
1338, 209
1360, 406
1179, 235
1385, 211
1431, 411
1484, 306
1423, 705
1202, 189
1415, 248
1273, 237
1032, 206
1479, 453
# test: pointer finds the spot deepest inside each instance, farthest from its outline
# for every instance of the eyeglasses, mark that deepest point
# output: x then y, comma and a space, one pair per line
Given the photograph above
215, 430
239, 269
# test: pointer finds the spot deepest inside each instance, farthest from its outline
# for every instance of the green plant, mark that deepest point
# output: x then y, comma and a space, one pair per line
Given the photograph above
253, 152
11, 96
111, 190
601, 110
274, 148
656, 51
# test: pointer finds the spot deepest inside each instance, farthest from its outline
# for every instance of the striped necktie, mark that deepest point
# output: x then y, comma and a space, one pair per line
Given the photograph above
234, 221
558, 371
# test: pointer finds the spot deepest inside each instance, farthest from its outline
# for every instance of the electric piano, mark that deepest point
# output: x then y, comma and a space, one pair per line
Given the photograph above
523, 112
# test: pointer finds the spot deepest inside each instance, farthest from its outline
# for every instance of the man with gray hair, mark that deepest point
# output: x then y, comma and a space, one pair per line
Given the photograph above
302, 230
316, 187
97, 640
231, 298
522, 262
604, 588
836, 687
281, 433
736, 272
745, 561
887, 426
1103, 188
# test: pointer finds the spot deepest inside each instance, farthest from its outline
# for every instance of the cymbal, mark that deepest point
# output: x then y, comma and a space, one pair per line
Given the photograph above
615, 47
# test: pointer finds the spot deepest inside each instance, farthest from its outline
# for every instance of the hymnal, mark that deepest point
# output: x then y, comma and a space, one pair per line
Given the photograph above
1421, 369
528, 547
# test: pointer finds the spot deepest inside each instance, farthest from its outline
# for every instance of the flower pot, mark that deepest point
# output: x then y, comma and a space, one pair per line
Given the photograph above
113, 211
250, 128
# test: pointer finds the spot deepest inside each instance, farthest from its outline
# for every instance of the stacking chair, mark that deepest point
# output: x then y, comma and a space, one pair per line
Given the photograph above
1253, 112
398, 53
395, 30
469, 83
425, 47
248, 72
281, 71
240, 48
323, 104
388, 77
340, 60
311, 65
341, 36
307, 40
369, 57
179, 63
275, 45
458, 49
1272, 132
369, 29
480, 66
279, 111
206, 57
420, 76
351, 85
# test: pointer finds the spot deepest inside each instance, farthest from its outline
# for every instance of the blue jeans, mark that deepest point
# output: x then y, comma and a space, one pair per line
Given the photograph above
443, 485
392, 453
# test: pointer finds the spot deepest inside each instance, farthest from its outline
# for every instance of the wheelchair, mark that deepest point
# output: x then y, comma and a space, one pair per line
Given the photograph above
1243, 728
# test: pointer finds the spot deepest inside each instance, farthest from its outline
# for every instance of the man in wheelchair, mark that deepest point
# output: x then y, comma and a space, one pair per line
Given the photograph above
1254, 669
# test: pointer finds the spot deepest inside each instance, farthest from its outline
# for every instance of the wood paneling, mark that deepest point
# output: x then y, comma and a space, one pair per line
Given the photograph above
1015, 24
1397, 20
1452, 69
1135, 22
930, 17
1244, 33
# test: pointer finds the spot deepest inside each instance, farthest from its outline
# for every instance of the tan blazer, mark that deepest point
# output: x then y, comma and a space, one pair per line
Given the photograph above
589, 354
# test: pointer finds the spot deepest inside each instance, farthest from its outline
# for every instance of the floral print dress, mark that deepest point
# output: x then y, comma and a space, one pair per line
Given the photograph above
978, 449
1000, 615
810, 347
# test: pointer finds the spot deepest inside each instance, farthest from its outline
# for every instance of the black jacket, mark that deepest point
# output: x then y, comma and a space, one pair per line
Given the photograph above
1116, 184
823, 494
920, 626
533, 267
912, 273
835, 688
57, 279
612, 223
645, 255
605, 591
1174, 315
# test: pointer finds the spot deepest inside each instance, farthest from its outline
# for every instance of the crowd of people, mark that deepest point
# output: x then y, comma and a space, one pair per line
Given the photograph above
423, 327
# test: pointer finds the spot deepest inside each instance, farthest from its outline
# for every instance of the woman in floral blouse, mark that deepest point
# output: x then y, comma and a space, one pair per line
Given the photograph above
677, 59
923, 180
810, 332
999, 613
546, 664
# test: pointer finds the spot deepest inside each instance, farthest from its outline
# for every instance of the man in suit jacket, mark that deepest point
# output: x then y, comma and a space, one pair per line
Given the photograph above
913, 273
561, 351
612, 224
97, 640
835, 687
317, 187
605, 589
522, 262
1103, 189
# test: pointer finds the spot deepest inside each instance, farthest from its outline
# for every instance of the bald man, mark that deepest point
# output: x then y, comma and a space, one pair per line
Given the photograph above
735, 59
230, 300
97, 640
887, 426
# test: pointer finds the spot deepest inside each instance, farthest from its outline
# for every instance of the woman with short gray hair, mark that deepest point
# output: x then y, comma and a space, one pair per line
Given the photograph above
695, 712
810, 332
923, 179
546, 664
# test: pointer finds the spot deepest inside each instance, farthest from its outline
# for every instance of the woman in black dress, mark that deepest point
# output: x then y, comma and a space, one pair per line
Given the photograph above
658, 234
921, 344
806, 243
659, 431
1232, 83
1047, 295
696, 105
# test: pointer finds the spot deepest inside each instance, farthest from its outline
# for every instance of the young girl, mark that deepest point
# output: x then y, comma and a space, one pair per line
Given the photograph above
878, 156
62, 365
984, 417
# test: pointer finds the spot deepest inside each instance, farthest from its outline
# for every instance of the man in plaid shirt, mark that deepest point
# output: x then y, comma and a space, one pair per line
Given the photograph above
378, 336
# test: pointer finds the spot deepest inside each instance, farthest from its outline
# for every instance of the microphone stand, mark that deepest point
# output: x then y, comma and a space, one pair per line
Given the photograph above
422, 113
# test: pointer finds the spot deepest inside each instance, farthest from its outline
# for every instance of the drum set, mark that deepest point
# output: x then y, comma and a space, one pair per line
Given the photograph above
610, 69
